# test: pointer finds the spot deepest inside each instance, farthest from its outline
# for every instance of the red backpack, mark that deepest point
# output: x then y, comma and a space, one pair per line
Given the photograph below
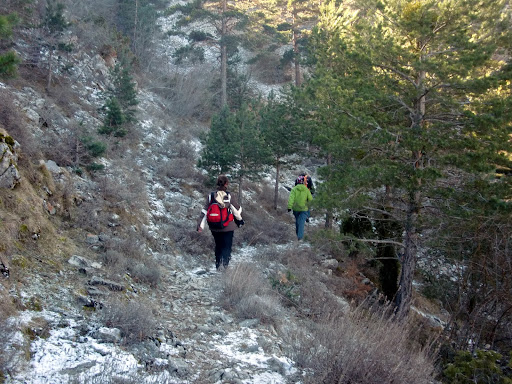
216, 216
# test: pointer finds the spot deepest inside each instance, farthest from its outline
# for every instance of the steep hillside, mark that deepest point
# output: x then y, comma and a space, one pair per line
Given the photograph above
105, 279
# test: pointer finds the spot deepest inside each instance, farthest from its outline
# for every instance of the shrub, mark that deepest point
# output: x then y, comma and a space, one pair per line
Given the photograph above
188, 95
247, 293
185, 238
115, 262
13, 121
482, 368
133, 318
7, 309
263, 228
269, 68
146, 272
362, 346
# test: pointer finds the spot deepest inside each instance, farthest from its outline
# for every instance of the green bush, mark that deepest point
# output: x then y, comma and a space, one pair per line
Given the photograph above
482, 368
94, 148
114, 119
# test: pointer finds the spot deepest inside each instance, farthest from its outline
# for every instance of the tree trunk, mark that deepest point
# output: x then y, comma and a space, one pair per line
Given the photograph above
77, 151
240, 188
276, 187
50, 67
136, 20
329, 215
296, 49
404, 294
403, 299
223, 58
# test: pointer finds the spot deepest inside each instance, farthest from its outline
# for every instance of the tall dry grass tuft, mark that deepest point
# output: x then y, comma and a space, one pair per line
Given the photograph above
248, 294
133, 318
7, 310
364, 346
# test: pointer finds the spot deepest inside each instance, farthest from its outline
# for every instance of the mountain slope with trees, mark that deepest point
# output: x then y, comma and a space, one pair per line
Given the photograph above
117, 124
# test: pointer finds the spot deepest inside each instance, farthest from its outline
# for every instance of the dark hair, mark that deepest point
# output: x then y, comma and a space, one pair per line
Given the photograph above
305, 179
222, 183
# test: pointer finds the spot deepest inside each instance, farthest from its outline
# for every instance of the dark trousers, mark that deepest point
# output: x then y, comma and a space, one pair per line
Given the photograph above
223, 244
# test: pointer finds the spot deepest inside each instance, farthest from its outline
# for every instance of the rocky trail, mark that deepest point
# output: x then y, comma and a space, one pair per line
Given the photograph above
197, 341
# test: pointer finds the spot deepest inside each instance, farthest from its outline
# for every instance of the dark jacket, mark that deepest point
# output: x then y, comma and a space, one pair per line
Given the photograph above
235, 208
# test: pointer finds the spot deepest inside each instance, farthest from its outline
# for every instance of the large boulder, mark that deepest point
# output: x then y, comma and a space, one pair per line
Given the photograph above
9, 175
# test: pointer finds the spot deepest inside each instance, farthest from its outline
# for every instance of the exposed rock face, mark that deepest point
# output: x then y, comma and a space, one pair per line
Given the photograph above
9, 175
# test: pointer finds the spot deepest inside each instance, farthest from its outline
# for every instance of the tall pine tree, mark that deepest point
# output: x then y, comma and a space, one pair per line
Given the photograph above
419, 90
281, 135
54, 24
234, 145
224, 19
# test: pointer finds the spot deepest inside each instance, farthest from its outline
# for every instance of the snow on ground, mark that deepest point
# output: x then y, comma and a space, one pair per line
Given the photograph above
67, 355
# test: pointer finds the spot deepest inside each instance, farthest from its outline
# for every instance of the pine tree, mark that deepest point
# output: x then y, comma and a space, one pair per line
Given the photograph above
137, 20
281, 135
219, 144
280, 23
417, 89
225, 19
113, 123
234, 146
9, 60
121, 100
54, 24
124, 90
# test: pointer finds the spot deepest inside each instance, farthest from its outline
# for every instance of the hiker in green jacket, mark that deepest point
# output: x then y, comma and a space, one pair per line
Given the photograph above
299, 200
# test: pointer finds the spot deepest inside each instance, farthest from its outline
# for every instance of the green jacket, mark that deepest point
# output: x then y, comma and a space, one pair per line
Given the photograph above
300, 196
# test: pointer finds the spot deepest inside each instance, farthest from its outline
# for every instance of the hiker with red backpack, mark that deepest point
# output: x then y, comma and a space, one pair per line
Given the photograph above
223, 215
299, 201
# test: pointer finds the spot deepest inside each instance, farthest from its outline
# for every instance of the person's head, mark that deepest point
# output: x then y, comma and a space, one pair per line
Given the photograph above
222, 183
299, 180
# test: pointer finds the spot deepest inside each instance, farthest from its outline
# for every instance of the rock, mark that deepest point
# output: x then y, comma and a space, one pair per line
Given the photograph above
178, 366
217, 375
277, 365
220, 317
108, 335
48, 207
112, 285
229, 376
4, 266
250, 323
9, 175
82, 262
92, 239
330, 263
182, 352
53, 167
253, 348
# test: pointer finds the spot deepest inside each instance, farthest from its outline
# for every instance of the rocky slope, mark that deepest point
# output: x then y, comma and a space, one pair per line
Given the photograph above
98, 286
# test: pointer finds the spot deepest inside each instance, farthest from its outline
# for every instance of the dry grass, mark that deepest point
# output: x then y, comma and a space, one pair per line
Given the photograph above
262, 227
188, 96
147, 272
17, 226
7, 309
363, 346
248, 294
133, 318
12, 120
